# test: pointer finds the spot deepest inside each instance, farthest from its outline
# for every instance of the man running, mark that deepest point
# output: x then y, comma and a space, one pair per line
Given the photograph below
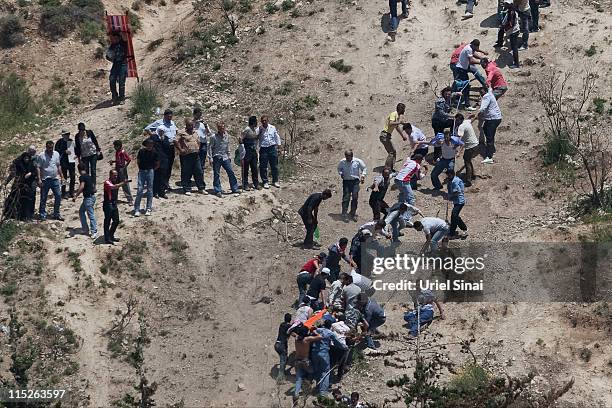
392, 122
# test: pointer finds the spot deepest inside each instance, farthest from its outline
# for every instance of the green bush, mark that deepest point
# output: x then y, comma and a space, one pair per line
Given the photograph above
8, 231
144, 99
11, 31
556, 148
135, 22
90, 31
287, 5
58, 21
16, 103
471, 378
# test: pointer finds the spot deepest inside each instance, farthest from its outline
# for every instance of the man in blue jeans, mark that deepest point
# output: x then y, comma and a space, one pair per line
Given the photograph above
320, 355
373, 314
403, 178
393, 13
219, 156
456, 194
435, 230
450, 147
490, 116
87, 186
352, 171
148, 162
269, 142
49, 178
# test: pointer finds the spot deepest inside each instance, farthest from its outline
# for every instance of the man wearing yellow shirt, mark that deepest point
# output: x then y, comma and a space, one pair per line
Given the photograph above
392, 122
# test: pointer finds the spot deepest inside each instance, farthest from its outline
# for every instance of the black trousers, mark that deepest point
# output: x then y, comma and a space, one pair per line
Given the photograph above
310, 229
456, 220
68, 170
378, 206
438, 127
160, 181
190, 167
170, 153
111, 220
250, 163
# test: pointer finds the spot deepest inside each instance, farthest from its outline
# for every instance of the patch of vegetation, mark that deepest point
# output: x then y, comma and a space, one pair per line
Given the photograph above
556, 148
153, 45
340, 66
285, 89
600, 105
307, 102
287, 5
17, 105
11, 31
135, 22
8, 231
203, 42
244, 6
74, 259
144, 100
271, 8
59, 20
91, 31
592, 50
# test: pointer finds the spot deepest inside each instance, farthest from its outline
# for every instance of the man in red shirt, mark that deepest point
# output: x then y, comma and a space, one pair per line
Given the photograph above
306, 274
495, 78
109, 205
121, 162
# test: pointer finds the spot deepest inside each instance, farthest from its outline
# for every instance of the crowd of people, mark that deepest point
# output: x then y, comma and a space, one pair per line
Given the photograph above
335, 310
70, 159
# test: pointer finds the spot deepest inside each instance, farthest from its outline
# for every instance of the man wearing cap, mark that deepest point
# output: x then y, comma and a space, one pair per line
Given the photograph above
65, 147
49, 178
147, 160
167, 127
316, 291
352, 171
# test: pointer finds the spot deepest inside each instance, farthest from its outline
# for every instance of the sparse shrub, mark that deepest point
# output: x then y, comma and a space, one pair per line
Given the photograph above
216, 66
144, 99
136, 5
11, 31
285, 89
153, 45
16, 103
339, 66
271, 8
135, 22
287, 5
90, 31
244, 6
592, 50
99, 53
600, 105
556, 148
59, 20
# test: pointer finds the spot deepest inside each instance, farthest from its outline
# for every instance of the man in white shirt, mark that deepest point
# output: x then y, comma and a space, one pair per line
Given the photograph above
269, 142
466, 132
435, 230
204, 133
490, 116
49, 178
417, 139
352, 171
165, 126
399, 217
469, 58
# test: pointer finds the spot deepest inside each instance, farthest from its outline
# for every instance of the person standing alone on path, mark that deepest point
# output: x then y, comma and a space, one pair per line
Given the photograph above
249, 140
110, 207
65, 148
309, 213
117, 53
121, 162
490, 116
280, 346
88, 188
392, 122
49, 178
457, 196
269, 142
524, 14
352, 171
148, 161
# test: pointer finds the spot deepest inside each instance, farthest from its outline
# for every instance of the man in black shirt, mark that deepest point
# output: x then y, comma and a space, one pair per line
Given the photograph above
87, 186
316, 290
309, 212
336, 252
117, 53
65, 147
109, 205
281, 346
148, 162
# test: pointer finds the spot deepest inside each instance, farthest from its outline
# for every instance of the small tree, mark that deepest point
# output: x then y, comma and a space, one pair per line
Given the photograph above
573, 131
227, 6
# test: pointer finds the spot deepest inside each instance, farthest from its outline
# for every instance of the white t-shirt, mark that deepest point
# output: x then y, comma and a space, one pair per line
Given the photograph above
417, 137
71, 155
431, 225
466, 132
489, 109
464, 57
